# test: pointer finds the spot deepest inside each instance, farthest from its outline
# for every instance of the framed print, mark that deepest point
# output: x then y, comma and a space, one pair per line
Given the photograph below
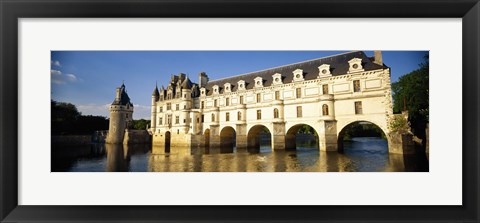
303, 111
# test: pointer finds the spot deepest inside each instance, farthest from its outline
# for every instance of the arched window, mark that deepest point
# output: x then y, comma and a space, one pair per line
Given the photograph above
325, 109
239, 116
275, 113
213, 117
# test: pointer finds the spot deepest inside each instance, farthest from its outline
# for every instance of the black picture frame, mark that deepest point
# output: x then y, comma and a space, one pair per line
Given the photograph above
11, 11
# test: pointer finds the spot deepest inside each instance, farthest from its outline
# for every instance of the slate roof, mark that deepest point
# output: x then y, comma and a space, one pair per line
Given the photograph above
124, 99
338, 66
155, 93
187, 84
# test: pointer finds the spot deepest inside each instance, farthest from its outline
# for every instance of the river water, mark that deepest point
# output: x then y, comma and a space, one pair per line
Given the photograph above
362, 154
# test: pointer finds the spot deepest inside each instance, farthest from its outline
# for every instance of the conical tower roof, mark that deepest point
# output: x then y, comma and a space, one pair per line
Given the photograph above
187, 84
155, 91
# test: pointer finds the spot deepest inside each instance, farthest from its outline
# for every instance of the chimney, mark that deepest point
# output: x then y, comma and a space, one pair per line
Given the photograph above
378, 57
202, 79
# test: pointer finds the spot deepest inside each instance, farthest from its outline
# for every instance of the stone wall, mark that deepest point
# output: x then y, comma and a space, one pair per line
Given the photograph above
401, 143
136, 137
71, 140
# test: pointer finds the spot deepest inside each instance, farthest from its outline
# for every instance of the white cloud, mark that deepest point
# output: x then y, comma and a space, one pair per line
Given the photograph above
56, 63
59, 78
94, 109
139, 111
55, 72
71, 77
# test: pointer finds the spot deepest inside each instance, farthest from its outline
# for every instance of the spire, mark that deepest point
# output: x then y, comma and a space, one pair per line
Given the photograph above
155, 91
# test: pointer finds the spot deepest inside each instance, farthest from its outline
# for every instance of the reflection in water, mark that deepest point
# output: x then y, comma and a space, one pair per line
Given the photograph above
359, 155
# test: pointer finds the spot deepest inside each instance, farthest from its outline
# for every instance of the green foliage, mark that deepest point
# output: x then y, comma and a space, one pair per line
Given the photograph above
141, 124
400, 124
67, 120
306, 129
414, 89
362, 129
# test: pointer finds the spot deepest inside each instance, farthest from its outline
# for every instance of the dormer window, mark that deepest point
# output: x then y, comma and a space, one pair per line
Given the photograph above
277, 79
258, 82
203, 91
298, 75
228, 87
355, 65
241, 85
324, 70
216, 89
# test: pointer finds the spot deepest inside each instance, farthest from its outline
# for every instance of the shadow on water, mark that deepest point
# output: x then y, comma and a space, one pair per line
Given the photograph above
361, 154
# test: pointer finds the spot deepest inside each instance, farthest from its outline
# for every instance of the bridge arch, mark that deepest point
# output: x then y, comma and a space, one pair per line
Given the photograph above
227, 138
354, 124
254, 136
302, 128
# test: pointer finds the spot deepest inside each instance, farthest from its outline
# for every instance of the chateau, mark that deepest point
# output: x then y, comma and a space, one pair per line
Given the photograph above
326, 94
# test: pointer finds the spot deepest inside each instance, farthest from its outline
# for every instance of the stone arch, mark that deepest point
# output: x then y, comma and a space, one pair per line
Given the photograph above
227, 138
254, 136
168, 139
207, 138
344, 128
291, 136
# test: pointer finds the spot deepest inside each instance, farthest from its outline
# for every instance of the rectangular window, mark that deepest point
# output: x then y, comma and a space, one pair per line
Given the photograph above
227, 101
325, 89
358, 108
203, 118
177, 120
259, 98
198, 120
126, 115
239, 116
356, 86
299, 111
184, 106
169, 119
160, 121
241, 100
203, 104
227, 116
177, 107
299, 92
169, 106
215, 103
161, 108
277, 95
184, 120
259, 114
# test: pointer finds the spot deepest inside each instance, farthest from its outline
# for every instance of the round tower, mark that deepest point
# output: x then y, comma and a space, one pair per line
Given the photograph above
121, 112
153, 118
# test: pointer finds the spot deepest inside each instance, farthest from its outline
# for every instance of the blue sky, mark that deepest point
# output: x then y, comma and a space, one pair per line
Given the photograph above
88, 78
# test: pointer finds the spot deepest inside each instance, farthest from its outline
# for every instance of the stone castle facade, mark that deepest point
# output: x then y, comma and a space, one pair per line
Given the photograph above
326, 94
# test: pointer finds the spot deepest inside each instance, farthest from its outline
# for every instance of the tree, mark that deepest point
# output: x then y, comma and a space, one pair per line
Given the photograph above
413, 89
67, 120
64, 116
140, 124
